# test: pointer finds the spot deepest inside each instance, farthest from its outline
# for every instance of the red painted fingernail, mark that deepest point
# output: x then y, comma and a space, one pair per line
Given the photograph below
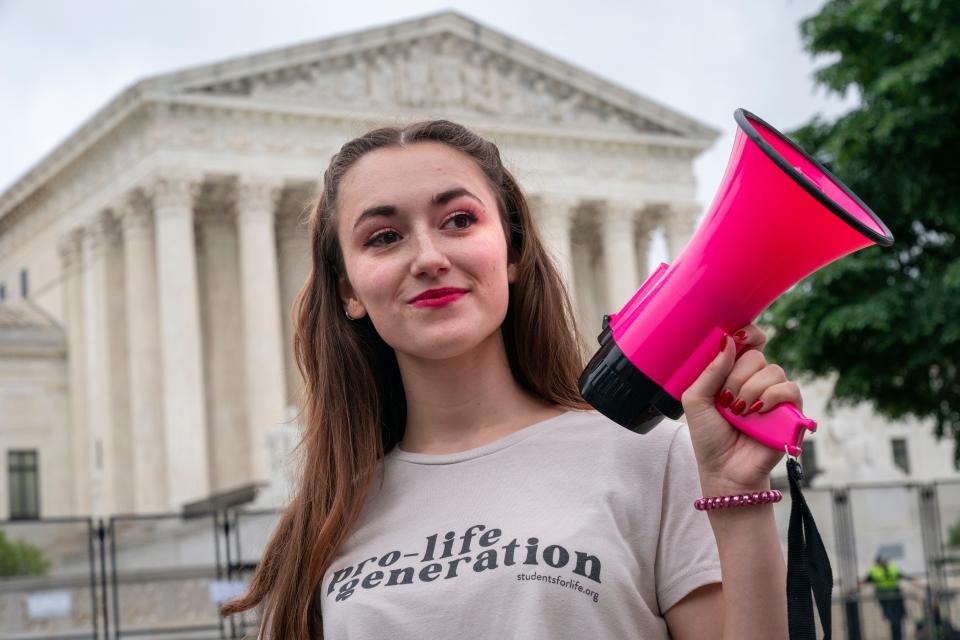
725, 398
740, 335
756, 406
723, 342
738, 406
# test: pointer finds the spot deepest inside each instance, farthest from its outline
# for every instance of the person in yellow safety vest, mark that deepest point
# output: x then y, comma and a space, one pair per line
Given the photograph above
885, 577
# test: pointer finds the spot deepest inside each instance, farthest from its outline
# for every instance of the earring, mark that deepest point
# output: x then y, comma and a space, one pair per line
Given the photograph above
347, 313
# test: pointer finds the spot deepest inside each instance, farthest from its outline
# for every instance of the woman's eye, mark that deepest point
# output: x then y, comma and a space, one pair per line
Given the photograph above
462, 220
384, 238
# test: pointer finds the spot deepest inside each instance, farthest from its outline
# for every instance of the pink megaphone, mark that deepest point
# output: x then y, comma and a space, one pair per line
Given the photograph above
778, 216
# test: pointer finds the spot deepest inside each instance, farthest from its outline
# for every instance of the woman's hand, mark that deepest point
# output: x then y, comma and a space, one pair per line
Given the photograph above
729, 460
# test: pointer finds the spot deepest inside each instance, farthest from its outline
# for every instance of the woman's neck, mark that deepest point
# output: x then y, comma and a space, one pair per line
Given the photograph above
465, 402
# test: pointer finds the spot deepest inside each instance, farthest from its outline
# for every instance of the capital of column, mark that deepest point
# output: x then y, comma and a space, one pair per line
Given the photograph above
679, 224
134, 213
174, 190
684, 214
291, 232
213, 218
620, 252
100, 234
648, 220
555, 215
70, 248
559, 206
257, 196
621, 217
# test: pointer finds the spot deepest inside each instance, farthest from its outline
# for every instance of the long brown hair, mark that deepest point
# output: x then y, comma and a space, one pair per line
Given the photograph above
354, 409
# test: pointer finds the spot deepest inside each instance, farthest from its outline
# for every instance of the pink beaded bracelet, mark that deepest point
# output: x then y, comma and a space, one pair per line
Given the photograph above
747, 499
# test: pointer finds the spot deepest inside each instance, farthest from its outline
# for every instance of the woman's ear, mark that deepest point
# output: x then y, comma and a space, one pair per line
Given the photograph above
351, 303
512, 272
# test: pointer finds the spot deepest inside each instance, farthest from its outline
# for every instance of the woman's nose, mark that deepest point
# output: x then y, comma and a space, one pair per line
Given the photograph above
429, 258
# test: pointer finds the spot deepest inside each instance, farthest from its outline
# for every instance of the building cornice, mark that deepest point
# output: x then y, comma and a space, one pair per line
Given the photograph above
563, 135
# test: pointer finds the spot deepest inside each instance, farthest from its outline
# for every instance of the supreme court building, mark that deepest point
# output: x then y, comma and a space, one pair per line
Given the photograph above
148, 263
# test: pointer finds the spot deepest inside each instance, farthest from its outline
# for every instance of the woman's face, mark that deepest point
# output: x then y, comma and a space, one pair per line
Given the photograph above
414, 219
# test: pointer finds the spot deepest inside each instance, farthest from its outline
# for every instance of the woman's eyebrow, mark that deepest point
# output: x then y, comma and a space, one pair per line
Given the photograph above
387, 210
446, 196
383, 210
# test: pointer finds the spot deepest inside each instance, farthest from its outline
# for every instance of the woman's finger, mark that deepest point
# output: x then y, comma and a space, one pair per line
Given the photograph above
702, 393
779, 393
750, 337
748, 363
754, 386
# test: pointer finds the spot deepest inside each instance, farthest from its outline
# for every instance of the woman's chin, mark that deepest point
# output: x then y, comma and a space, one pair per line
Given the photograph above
442, 344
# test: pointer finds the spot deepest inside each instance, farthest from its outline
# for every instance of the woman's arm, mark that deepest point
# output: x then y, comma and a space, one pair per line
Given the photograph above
754, 576
699, 616
752, 602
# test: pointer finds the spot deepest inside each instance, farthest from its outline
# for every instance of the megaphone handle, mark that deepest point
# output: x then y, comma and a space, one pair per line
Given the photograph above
781, 428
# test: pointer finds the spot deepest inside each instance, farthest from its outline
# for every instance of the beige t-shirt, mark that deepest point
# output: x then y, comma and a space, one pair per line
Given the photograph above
573, 527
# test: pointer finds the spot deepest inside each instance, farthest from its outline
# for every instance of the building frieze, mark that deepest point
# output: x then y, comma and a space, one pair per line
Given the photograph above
441, 73
276, 113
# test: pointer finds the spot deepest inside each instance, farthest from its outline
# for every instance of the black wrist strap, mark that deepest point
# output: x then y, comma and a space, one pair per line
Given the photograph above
808, 568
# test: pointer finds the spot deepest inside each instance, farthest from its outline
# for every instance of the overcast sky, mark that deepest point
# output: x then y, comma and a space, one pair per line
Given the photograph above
61, 60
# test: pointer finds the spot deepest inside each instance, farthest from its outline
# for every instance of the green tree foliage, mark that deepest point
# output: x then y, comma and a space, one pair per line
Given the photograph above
887, 320
953, 536
20, 558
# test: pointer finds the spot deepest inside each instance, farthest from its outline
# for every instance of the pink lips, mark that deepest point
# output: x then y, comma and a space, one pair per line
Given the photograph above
438, 297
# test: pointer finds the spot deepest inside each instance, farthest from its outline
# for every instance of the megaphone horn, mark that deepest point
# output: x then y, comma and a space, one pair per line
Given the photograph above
777, 217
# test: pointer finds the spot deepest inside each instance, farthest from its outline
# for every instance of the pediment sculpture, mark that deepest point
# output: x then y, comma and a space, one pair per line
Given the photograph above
443, 72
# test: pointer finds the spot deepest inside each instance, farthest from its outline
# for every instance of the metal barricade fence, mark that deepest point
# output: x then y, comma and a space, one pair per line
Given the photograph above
251, 530
910, 524
131, 576
161, 567
946, 563
165, 575
48, 579
820, 503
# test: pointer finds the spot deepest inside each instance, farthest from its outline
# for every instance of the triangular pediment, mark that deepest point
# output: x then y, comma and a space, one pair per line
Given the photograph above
442, 73
442, 64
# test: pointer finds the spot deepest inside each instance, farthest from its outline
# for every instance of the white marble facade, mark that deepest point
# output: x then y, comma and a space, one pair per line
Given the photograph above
166, 235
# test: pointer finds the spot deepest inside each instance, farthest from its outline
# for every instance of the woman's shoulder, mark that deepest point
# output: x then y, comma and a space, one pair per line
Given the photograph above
588, 444
592, 429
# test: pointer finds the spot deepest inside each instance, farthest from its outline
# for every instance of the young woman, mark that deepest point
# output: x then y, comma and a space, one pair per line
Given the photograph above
454, 483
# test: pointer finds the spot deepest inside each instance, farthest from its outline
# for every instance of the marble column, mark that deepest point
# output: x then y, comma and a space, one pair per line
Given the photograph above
679, 224
260, 294
620, 253
643, 236
108, 413
221, 314
293, 257
143, 333
589, 274
184, 397
71, 260
555, 214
